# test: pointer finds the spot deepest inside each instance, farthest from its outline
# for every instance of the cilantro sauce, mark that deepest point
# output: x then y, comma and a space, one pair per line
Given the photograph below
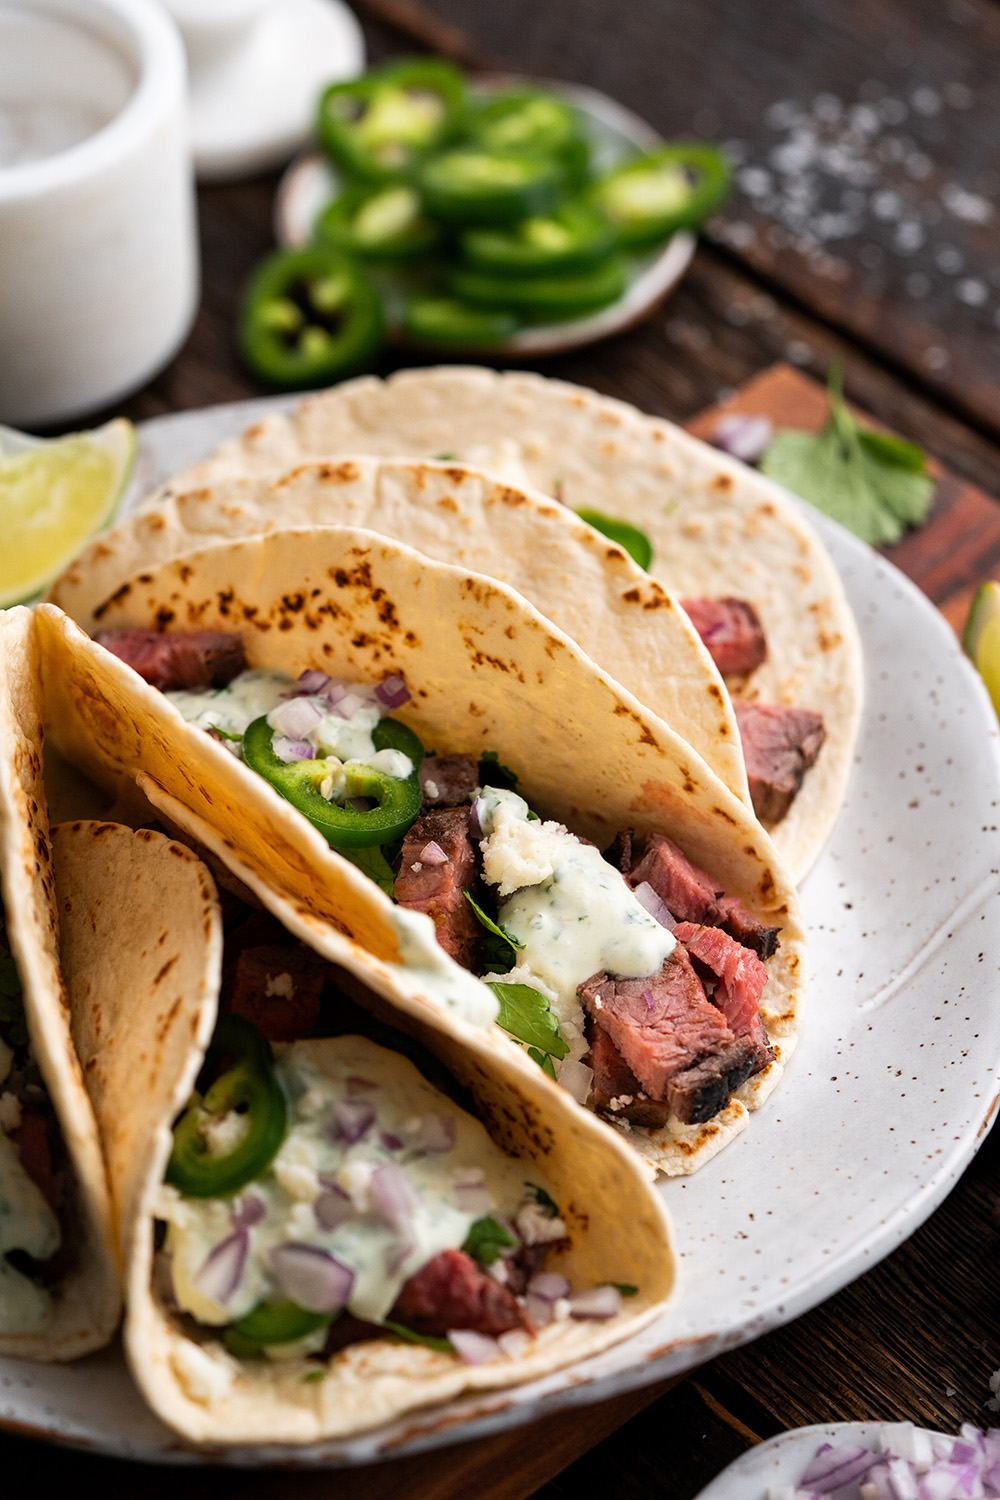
359, 1116
570, 909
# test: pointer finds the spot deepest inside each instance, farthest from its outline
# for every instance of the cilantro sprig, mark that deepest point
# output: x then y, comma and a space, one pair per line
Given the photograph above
486, 1240
636, 542
873, 484
527, 1015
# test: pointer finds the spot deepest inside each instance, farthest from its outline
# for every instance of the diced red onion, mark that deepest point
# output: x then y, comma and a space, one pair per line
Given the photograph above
296, 718
311, 681
515, 1342
250, 1212
390, 1142
651, 902
313, 1278
472, 1198
473, 1348
539, 1310
223, 1269
548, 1285
743, 436
289, 750
392, 1194
901, 1478
647, 995
475, 818
438, 1134
351, 1120
832, 1467
332, 1208
599, 1302
347, 705
432, 854
392, 693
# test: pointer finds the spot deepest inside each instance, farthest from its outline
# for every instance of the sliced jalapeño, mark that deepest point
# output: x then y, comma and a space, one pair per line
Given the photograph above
379, 126
308, 317
650, 197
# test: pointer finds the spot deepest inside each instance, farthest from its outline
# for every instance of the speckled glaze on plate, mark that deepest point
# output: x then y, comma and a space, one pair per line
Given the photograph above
783, 1459
892, 1088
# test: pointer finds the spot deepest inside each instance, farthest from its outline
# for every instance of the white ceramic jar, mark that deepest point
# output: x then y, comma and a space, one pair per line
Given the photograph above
98, 236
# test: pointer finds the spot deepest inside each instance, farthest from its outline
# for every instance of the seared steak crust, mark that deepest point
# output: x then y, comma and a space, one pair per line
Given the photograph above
439, 888
178, 659
451, 1291
779, 746
731, 632
740, 978
448, 780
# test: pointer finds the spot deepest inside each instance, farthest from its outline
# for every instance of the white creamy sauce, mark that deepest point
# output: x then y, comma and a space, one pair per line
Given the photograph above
234, 707
455, 988
26, 1223
570, 908
316, 1076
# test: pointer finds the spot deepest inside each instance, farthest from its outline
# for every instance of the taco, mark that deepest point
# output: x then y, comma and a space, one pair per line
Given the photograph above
356, 625
724, 540
585, 584
327, 1220
59, 1284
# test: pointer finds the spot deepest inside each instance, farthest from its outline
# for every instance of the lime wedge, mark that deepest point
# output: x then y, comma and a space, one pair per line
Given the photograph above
53, 496
981, 638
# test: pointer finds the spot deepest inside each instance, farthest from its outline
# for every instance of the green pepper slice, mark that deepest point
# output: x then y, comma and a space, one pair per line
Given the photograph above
446, 320
397, 799
377, 127
572, 235
381, 223
530, 122
271, 1323
650, 197
249, 1087
309, 316
544, 298
472, 186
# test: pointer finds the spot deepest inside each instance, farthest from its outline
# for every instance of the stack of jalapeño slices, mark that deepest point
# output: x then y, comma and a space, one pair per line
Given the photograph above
462, 217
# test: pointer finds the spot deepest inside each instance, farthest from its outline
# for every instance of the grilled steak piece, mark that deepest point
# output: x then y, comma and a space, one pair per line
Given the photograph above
687, 892
180, 659
278, 988
615, 1090
666, 1029
779, 746
731, 631
451, 1291
448, 780
741, 978
437, 885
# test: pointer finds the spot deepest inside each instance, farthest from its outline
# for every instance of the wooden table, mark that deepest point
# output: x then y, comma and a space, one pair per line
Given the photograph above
888, 261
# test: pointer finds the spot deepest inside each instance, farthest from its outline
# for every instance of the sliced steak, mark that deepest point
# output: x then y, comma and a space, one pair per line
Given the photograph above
740, 977
278, 988
779, 746
688, 893
615, 1090
437, 885
731, 632
452, 1291
448, 780
665, 1026
179, 659
31, 1138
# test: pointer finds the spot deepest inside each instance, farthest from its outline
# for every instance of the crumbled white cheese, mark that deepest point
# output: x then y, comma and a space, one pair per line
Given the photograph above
516, 852
431, 790
560, 1310
295, 1169
535, 1226
355, 1179
223, 1133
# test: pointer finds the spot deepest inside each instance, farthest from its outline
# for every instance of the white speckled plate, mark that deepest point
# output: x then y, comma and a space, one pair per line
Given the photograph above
890, 1092
783, 1459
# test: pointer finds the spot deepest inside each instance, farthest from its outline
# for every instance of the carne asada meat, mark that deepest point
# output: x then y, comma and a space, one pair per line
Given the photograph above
671, 1036
181, 659
731, 632
687, 892
278, 988
451, 1291
741, 978
779, 746
615, 1090
438, 865
448, 780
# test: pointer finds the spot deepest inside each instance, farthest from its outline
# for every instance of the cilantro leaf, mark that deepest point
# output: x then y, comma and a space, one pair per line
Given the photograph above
874, 484
313, 1376
493, 773
544, 1061
373, 863
622, 1286
490, 925
636, 542
485, 1240
443, 1345
527, 1015
543, 1200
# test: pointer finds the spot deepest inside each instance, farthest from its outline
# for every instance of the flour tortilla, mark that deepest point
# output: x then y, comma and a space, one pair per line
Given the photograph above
487, 671
717, 527
86, 1303
581, 581
145, 1019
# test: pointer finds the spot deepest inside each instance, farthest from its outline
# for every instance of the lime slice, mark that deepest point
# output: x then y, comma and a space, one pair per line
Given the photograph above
53, 496
981, 638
